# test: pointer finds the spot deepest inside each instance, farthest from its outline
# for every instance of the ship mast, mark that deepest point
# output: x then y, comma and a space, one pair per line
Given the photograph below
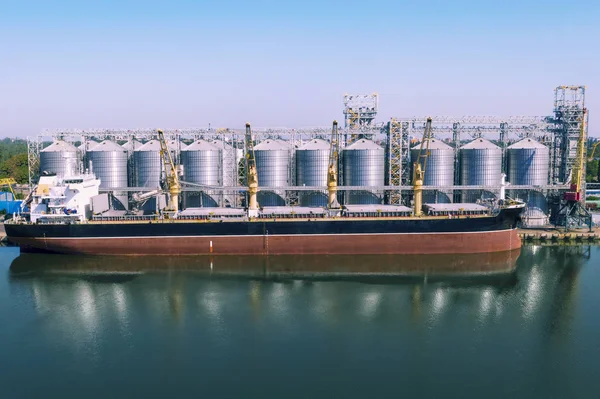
251, 174
419, 170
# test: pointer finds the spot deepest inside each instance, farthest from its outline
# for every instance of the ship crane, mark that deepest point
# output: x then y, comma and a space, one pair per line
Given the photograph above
419, 168
9, 182
573, 213
172, 180
251, 174
332, 170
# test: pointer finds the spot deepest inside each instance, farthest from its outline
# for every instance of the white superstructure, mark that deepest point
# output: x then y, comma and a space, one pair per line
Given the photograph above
67, 198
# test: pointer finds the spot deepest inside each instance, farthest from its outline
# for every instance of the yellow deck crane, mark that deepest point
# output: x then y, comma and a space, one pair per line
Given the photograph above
573, 213
172, 179
9, 182
251, 174
332, 170
594, 146
419, 168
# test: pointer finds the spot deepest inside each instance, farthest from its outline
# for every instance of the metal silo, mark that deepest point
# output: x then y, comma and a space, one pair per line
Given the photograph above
202, 163
312, 162
61, 158
130, 147
232, 158
148, 165
439, 170
528, 163
536, 212
363, 165
273, 167
480, 165
109, 164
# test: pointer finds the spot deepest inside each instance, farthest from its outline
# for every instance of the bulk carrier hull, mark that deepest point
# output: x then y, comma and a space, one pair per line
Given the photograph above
427, 235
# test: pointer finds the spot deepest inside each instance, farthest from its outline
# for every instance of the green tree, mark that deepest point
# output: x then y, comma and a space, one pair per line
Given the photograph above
591, 174
15, 167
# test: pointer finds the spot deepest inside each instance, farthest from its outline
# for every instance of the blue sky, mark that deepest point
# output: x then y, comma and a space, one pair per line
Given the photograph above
190, 63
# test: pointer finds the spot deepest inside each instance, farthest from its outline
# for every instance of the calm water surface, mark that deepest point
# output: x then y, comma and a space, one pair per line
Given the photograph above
290, 327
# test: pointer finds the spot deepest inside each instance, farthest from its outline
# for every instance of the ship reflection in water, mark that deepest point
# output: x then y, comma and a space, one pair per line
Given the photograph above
364, 267
510, 311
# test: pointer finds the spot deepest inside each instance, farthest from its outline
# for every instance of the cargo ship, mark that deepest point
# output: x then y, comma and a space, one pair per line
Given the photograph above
61, 221
64, 218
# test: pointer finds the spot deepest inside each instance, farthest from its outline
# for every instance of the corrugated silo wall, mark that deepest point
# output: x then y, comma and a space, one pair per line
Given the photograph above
364, 167
311, 170
202, 167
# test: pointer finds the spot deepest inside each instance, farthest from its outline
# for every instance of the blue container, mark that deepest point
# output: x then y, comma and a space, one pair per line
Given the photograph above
8, 203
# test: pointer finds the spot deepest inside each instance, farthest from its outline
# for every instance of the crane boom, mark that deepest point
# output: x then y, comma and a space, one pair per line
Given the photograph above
419, 171
332, 170
594, 146
251, 174
9, 182
172, 179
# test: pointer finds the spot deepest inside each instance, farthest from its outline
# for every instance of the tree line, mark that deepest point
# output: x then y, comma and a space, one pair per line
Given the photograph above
13, 159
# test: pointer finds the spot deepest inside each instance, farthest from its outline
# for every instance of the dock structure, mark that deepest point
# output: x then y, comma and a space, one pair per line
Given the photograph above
560, 236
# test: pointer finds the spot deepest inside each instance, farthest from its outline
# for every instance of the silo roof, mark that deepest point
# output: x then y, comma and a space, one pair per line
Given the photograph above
434, 144
363, 144
272, 145
526, 143
60, 146
133, 144
107, 145
154, 145
315, 144
172, 144
90, 144
480, 144
201, 145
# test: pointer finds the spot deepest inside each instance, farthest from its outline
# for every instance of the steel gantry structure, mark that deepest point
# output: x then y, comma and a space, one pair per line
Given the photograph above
558, 131
456, 130
360, 112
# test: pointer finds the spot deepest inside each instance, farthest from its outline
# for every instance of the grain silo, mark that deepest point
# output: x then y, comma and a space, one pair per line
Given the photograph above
60, 158
480, 165
272, 167
232, 158
148, 165
130, 147
202, 163
312, 163
109, 164
528, 164
438, 172
363, 165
